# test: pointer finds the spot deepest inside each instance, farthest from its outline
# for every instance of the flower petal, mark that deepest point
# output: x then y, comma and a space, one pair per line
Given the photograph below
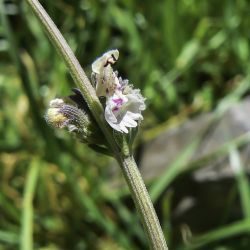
107, 58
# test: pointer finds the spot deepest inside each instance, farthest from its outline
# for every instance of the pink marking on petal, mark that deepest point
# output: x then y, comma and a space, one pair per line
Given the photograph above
118, 101
115, 109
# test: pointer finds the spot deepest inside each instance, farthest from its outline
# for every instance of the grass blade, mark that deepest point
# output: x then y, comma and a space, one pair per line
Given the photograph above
26, 239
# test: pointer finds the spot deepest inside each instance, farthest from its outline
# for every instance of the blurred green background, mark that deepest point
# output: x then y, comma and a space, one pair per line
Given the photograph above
187, 57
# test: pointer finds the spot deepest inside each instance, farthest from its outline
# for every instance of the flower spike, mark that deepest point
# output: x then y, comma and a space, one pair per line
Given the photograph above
123, 103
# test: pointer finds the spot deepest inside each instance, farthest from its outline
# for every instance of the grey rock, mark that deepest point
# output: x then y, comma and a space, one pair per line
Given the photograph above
161, 152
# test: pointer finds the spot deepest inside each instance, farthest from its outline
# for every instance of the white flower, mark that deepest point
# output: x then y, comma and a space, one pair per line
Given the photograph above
104, 77
123, 103
106, 59
123, 111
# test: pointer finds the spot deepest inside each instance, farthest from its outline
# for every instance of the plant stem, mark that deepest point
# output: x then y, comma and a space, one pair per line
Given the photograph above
129, 167
143, 203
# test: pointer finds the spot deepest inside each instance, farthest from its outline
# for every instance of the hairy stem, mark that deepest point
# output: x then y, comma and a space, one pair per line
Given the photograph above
130, 170
143, 203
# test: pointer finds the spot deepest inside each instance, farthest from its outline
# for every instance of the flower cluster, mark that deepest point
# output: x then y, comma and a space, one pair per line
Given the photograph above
72, 113
124, 104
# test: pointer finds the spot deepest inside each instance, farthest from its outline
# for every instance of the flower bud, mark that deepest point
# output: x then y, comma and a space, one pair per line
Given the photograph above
65, 113
53, 116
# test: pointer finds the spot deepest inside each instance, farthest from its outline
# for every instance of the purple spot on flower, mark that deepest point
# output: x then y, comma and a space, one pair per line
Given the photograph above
118, 101
115, 109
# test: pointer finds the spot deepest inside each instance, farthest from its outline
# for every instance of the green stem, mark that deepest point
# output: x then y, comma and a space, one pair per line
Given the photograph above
130, 170
143, 203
